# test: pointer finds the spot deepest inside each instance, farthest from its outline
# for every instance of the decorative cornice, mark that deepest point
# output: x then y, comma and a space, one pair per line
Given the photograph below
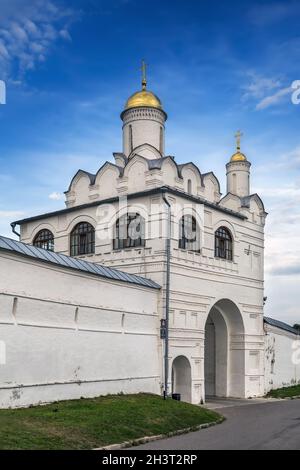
150, 192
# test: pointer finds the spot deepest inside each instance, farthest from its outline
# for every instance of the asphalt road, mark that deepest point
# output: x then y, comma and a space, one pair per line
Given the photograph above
267, 425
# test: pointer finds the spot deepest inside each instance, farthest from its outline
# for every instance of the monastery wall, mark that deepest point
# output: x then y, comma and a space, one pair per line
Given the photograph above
66, 334
282, 358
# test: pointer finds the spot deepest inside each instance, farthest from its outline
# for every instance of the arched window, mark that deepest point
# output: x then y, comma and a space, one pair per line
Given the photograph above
129, 231
44, 239
189, 233
82, 240
161, 140
189, 186
130, 138
234, 182
223, 243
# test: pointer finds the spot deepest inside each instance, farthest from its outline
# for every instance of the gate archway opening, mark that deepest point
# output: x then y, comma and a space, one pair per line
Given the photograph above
182, 378
224, 351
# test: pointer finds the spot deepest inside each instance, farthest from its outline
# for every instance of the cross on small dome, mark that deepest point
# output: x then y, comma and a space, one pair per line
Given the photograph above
238, 156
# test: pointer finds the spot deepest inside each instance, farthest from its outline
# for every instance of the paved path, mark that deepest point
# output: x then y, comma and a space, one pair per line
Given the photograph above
255, 425
217, 403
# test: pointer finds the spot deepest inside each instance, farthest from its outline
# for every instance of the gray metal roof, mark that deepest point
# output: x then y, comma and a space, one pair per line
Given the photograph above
281, 325
7, 244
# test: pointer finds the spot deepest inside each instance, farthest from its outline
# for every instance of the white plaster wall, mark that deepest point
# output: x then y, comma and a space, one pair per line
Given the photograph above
106, 183
146, 129
211, 190
282, 358
169, 172
238, 178
80, 189
70, 334
198, 280
190, 173
136, 174
109, 183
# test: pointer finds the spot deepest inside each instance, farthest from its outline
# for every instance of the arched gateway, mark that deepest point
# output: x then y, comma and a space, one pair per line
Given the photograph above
182, 378
224, 359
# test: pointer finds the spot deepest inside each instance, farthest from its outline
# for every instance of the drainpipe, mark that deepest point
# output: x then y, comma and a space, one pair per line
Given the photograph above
13, 228
167, 311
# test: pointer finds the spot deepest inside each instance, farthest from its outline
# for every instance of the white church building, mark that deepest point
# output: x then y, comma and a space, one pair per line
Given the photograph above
149, 280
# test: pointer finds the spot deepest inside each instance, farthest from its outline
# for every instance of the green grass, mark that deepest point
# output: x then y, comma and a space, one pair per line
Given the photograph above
285, 392
90, 423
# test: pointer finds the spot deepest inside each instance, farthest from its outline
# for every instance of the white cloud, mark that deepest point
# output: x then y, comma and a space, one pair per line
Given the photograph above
292, 160
11, 214
18, 32
3, 51
268, 91
64, 33
56, 196
282, 257
36, 47
29, 32
279, 186
287, 192
31, 28
274, 99
259, 86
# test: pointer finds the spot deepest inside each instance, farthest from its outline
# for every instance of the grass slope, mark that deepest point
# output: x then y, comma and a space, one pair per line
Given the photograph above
90, 423
286, 392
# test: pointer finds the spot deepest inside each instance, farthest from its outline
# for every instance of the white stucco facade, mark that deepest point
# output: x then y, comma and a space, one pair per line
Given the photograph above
70, 334
282, 356
216, 292
144, 126
238, 178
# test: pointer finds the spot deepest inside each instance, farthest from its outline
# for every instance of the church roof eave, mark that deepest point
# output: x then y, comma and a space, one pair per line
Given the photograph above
148, 192
121, 170
281, 325
183, 165
246, 201
211, 173
91, 177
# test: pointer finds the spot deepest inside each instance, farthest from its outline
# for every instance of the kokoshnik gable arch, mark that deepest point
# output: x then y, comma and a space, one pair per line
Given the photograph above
215, 297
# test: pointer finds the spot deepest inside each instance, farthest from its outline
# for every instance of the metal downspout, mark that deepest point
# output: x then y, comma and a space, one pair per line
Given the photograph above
13, 228
167, 307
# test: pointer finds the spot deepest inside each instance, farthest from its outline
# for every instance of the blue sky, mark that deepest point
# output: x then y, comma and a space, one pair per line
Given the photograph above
217, 66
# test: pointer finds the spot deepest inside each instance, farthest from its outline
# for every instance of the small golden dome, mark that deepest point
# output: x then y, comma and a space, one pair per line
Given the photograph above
143, 98
238, 157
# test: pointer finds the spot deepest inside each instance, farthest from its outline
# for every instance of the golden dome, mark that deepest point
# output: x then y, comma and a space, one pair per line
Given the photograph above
143, 98
238, 157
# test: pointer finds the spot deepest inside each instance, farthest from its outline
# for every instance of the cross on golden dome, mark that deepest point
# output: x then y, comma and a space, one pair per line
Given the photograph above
143, 98
144, 74
238, 156
238, 136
